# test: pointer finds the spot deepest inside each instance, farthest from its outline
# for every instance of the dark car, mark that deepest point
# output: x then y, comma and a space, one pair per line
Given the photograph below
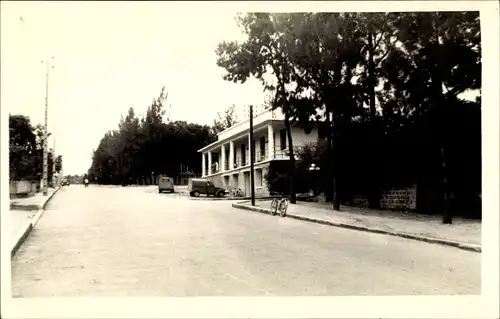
199, 186
165, 184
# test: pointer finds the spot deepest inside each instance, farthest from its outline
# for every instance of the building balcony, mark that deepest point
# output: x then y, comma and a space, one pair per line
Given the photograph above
266, 115
259, 157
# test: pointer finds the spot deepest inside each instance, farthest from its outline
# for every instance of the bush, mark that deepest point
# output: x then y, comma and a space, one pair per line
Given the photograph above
278, 180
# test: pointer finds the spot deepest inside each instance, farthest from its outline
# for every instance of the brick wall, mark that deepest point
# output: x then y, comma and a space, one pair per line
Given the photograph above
360, 200
399, 198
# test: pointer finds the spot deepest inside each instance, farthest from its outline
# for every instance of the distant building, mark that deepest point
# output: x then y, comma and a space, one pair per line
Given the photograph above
226, 162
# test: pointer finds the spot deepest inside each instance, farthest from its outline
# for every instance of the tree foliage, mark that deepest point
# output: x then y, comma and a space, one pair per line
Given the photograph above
225, 120
141, 149
265, 52
26, 150
388, 87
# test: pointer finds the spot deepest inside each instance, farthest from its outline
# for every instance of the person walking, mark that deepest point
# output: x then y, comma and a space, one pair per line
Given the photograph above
86, 182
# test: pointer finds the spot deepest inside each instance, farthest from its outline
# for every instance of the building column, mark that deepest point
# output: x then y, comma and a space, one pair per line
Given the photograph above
209, 162
203, 165
231, 155
223, 157
270, 143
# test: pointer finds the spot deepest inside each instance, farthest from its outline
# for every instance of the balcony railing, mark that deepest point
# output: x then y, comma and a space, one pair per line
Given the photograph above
258, 157
281, 153
212, 170
237, 162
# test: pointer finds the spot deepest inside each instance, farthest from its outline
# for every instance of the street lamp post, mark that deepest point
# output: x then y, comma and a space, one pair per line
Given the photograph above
46, 133
312, 168
54, 158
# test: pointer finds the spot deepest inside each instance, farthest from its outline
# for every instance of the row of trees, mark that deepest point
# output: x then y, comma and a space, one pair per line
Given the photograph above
143, 148
74, 179
388, 86
26, 151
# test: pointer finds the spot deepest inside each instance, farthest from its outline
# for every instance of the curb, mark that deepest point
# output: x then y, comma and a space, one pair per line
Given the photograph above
21, 240
31, 224
469, 247
216, 198
243, 199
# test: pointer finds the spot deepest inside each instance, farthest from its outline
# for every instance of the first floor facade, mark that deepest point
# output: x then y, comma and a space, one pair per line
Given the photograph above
226, 162
241, 179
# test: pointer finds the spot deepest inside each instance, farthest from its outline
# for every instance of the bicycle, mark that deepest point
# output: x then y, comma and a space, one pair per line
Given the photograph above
279, 203
237, 193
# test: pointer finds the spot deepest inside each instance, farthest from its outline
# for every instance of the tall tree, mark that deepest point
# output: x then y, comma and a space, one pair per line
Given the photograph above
377, 35
225, 120
138, 147
22, 147
325, 55
59, 163
264, 53
150, 128
439, 58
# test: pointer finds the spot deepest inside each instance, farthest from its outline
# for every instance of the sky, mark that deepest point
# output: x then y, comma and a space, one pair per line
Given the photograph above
108, 57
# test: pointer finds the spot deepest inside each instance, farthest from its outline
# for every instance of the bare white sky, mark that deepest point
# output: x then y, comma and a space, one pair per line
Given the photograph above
108, 57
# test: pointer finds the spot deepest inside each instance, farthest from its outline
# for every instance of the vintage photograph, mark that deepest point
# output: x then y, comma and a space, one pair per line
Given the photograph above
168, 153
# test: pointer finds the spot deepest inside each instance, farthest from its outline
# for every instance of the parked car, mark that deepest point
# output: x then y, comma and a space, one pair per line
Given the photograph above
197, 186
65, 183
165, 184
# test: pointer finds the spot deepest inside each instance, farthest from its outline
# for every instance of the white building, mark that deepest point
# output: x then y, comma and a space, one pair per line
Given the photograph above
226, 162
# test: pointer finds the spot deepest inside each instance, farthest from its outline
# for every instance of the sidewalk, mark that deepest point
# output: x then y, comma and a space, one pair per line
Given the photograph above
23, 215
30, 203
463, 233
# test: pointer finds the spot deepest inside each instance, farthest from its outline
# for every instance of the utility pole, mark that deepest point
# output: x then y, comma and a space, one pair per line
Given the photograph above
46, 133
54, 180
252, 181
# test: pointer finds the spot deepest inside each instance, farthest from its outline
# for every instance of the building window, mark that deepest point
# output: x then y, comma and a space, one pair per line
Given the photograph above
283, 139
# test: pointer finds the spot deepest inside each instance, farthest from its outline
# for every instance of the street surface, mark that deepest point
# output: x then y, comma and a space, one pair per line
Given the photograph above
132, 241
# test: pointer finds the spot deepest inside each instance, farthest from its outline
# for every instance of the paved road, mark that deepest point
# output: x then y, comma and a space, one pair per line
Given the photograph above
116, 241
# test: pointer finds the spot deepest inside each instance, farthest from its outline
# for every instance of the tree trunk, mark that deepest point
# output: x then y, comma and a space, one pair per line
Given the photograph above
371, 76
293, 196
373, 193
333, 163
336, 199
439, 106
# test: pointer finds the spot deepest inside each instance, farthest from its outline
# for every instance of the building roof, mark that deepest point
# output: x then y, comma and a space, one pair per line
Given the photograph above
239, 133
261, 119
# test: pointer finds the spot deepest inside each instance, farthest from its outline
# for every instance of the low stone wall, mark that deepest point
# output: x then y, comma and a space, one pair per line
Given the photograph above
359, 200
21, 187
396, 198
399, 198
